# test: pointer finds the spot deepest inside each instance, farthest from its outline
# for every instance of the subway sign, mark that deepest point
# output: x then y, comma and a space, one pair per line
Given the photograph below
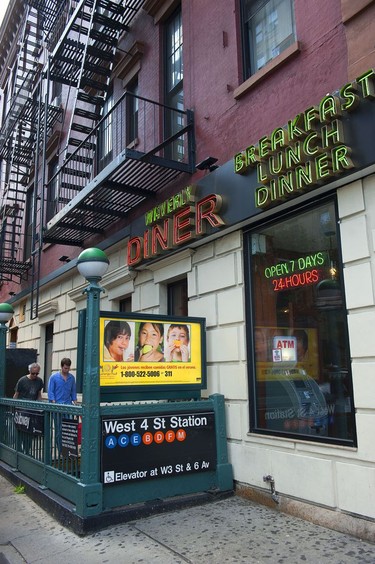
158, 446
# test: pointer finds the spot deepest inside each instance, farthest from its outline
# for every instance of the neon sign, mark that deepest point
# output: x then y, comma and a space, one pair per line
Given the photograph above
296, 280
177, 221
296, 265
297, 272
309, 150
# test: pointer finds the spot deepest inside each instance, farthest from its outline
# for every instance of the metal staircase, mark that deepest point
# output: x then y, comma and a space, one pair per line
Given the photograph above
83, 59
17, 149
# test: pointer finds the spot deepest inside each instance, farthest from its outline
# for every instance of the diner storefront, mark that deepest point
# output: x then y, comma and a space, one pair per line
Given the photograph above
284, 279
276, 247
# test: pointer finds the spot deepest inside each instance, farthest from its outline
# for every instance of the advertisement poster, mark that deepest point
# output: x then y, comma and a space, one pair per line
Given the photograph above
158, 446
150, 350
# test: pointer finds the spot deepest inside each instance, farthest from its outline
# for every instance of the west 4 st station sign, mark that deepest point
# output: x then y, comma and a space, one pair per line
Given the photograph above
158, 446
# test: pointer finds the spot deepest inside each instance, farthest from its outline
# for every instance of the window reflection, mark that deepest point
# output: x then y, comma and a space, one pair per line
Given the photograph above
302, 363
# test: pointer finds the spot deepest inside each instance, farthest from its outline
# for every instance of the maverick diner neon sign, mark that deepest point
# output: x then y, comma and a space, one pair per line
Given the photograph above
307, 151
176, 221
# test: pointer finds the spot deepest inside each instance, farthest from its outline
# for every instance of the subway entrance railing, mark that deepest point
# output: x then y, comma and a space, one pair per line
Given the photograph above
43, 455
134, 450
29, 443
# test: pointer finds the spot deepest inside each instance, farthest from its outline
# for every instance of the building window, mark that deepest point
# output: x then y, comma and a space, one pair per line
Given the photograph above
13, 334
48, 350
268, 29
132, 108
105, 135
52, 191
125, 305
29, 224
22, 312
56, 93
174, 94
178, 298
301, 373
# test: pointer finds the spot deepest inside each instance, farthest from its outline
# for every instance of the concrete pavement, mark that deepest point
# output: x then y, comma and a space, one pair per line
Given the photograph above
231, 530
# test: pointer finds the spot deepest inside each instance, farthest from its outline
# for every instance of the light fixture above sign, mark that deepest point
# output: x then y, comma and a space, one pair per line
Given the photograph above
207, 164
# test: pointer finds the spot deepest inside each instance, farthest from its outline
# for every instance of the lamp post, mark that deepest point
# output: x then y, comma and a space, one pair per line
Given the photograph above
6, 314
92, 264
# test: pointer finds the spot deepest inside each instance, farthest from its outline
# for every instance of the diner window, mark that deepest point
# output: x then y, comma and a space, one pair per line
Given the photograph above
125, 305
267, 30
178, 298
301, 374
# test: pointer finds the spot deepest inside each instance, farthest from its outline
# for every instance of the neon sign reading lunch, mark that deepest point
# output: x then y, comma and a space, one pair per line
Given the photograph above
175, 222
308, 150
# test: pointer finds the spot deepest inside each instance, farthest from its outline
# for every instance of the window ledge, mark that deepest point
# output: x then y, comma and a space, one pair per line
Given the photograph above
351, 9
266, 70
160, 10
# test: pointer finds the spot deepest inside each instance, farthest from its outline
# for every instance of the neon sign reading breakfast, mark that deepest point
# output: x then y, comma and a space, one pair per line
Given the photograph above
307, 151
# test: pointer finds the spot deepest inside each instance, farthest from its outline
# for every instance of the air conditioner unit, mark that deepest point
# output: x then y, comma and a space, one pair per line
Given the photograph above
56, 101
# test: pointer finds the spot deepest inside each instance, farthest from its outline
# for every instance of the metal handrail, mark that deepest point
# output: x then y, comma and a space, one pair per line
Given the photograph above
84, 163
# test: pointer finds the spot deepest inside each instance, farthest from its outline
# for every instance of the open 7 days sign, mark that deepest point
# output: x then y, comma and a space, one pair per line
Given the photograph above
160, 446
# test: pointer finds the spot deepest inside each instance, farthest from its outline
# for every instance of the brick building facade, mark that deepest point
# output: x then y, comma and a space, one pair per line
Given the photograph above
109, 110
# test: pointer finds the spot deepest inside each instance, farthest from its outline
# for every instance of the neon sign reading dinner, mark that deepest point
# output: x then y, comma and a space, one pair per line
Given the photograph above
176, 221
308, 150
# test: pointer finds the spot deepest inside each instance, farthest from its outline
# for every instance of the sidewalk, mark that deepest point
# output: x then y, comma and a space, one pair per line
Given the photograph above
231, 530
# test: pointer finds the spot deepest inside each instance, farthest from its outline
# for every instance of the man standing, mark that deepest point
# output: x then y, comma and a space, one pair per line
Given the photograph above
62, 385
30, 387
61, 389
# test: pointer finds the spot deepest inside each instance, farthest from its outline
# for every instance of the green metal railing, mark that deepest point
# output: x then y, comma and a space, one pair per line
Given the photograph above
40, 457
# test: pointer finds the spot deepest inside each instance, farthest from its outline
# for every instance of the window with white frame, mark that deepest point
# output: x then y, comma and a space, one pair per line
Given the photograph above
105, 134
268, 29
132, 109
174, 95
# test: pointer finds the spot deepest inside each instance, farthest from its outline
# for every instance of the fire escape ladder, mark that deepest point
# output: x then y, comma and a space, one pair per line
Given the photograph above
17, 148
84, 60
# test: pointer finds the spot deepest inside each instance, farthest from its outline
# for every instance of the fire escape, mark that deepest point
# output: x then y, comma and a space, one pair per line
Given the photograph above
110, 160
89, 192
20, 140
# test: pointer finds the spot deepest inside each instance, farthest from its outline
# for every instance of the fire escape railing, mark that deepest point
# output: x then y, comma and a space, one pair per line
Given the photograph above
119, 137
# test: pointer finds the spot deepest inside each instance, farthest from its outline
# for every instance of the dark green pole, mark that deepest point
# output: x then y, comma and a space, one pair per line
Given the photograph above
90, 462
92, 264
6, 313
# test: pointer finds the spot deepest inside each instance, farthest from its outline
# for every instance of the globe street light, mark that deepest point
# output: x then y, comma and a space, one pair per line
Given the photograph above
92, 264
6, 314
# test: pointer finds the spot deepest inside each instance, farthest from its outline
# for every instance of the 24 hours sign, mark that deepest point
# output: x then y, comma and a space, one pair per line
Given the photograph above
157, 446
